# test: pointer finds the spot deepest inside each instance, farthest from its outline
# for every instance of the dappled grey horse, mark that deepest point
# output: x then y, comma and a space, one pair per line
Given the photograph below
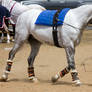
69, 36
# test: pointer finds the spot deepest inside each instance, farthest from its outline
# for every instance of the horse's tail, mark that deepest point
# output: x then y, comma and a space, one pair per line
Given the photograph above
35, 6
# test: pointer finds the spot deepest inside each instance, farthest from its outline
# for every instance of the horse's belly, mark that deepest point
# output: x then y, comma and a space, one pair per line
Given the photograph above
43, 34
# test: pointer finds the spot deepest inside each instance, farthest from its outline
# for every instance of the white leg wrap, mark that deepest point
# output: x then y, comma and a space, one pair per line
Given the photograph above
6, 72
9, 61
57, 76
73, 71
76, 81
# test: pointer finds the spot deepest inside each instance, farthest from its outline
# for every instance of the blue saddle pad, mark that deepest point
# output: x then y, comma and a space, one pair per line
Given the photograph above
46, 17
4, 14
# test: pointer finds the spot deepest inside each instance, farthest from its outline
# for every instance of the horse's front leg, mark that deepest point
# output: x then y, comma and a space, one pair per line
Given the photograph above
9, 65
70, 52
19, 40
35, 46
9, 62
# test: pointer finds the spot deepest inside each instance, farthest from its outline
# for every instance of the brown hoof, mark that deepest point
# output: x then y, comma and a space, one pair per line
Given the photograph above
53, 79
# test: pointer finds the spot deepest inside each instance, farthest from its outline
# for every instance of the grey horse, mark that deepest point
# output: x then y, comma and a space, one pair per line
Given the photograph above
69, 36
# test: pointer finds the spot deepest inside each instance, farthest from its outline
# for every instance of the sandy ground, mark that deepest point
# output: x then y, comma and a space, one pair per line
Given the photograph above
49, 61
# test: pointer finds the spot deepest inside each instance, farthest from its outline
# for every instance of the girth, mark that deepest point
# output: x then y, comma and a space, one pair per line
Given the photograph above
55, 32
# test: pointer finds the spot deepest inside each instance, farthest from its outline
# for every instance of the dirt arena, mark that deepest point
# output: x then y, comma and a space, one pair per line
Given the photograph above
49, 61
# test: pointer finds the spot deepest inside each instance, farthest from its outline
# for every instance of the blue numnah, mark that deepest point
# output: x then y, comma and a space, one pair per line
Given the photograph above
46, 17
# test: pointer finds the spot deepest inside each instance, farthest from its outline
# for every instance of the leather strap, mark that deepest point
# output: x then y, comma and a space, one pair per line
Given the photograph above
55, 32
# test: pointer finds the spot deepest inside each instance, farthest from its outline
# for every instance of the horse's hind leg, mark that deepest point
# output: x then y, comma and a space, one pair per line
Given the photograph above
70, 52
19, 39
35, 46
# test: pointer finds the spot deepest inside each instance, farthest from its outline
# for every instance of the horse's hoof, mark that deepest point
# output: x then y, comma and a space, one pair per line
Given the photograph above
3, 78
53, 79
33, 79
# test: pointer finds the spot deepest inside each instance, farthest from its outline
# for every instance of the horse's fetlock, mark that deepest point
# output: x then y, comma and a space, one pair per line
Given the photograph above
4, 77
9, 65
31, 71
64, 71
74, 76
